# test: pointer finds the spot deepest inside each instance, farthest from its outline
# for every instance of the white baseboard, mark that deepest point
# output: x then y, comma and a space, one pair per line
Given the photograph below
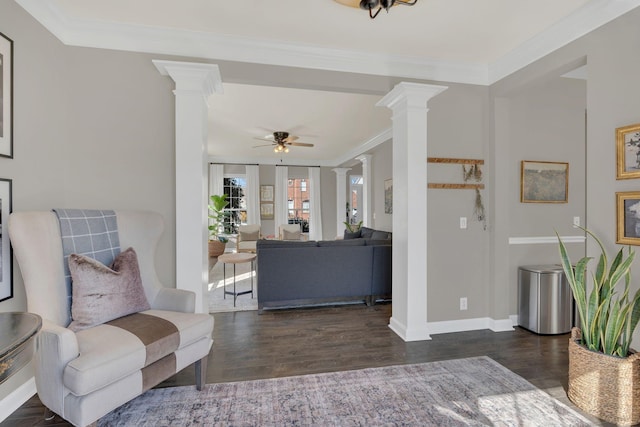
17, 398
448, 326
409, 334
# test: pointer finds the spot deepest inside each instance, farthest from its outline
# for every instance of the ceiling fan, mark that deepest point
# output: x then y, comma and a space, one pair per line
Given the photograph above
281, 141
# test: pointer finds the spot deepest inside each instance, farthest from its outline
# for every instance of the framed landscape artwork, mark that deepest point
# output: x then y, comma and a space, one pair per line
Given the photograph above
628, 218
544, 182
6, 96
628, 152
266, 210
6, 273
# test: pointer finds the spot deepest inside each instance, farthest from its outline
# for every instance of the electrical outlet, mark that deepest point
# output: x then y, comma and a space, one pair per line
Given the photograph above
576, 221
463, 222
463, 303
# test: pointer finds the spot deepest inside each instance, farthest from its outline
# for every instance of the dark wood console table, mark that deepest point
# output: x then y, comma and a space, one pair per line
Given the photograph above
17, 341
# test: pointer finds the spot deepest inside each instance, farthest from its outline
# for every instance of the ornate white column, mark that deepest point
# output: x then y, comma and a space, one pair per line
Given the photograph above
408, 102
341, 198
194, 85
367, 210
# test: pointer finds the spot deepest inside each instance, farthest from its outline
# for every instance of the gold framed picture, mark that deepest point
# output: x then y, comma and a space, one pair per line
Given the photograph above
544, 182
628, 152
266, 193
266, 210
628, 215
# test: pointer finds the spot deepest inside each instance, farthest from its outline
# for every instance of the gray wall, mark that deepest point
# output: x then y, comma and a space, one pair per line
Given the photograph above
92, 129
457, 265
382, 167
546, 123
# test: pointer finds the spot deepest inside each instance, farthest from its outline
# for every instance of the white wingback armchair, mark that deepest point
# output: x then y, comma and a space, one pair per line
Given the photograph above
290, 232
248, 236
84, 375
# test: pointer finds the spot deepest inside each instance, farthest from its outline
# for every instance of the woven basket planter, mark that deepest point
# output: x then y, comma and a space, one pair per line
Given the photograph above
216, 248
607, 387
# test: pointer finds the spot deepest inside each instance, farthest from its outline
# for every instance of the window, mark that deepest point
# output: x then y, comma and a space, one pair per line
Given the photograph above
234, 187
298, 198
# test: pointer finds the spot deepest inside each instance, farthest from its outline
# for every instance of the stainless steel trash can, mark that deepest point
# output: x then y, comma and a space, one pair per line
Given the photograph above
545, 302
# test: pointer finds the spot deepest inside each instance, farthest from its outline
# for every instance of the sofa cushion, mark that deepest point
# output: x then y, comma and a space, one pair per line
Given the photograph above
366, 232
101, 293
380, 235
352, 242
285, 244
375, 242
351, 235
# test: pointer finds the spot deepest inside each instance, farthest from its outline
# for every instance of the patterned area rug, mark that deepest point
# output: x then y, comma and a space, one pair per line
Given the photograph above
217, 302
465, 392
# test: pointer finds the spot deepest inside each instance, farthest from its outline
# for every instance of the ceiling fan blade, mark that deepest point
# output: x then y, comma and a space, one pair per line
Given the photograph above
264, 139
300, 144
263, 145
290, 138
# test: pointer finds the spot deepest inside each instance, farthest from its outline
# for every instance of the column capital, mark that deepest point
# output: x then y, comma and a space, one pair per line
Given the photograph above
341, 171
364, 158
410, 95
192, 76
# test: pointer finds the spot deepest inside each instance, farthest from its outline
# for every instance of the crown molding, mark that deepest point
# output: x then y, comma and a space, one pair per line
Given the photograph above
586, 19
285, 160
169, 41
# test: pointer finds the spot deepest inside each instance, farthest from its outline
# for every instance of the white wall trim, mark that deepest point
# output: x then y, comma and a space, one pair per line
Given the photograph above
171, 41
17, 398
462, 325
545, 240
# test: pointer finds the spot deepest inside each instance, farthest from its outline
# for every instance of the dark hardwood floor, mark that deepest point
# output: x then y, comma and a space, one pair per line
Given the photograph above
278, 343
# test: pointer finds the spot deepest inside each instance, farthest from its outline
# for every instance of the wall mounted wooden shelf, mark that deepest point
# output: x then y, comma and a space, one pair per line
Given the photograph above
457, 186
458, 161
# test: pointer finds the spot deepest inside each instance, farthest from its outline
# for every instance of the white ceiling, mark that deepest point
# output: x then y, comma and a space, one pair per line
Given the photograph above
467, 41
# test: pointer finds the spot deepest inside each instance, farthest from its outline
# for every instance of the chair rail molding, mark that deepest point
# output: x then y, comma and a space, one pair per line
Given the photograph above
545, 240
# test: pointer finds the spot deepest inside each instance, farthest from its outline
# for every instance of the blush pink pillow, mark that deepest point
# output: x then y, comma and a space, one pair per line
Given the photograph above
101, 293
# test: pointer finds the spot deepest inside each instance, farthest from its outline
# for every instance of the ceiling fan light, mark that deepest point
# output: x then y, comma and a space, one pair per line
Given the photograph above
368, 4
275, 149
286, 149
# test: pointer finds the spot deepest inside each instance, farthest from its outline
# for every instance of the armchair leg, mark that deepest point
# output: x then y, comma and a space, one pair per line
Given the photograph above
201, 372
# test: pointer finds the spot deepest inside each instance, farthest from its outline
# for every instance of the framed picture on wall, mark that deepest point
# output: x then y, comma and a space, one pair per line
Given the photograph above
388, 196
6, 272
266, 210
266, 193
544, 182
628, 152
628, 218
6, 96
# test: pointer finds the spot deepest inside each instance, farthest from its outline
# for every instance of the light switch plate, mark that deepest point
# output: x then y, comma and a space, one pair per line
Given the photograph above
463, 222
576, 221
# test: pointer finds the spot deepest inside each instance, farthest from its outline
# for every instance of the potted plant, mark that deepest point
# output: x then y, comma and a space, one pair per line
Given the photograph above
352, 227
217, 241
604, 372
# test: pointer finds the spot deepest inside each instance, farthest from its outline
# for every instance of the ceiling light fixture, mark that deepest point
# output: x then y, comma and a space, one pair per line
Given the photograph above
370, 5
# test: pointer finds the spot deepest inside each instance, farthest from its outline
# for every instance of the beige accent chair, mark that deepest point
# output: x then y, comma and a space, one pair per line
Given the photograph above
290, 232
248, 236
84, 375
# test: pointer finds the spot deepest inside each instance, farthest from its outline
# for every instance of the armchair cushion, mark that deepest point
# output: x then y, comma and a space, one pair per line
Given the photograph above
101, 294
249, 235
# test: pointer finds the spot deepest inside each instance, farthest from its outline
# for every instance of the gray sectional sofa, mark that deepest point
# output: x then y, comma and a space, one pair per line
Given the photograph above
299, 273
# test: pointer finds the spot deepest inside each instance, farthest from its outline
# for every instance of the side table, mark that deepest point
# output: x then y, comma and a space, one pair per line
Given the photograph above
236, 258
17, 343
